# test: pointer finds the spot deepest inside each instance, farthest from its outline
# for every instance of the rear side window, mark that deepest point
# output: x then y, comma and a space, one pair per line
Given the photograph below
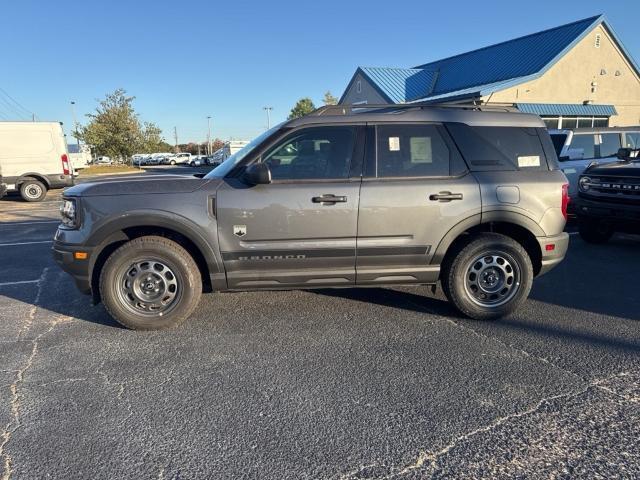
609, 145
411, 151
499, 148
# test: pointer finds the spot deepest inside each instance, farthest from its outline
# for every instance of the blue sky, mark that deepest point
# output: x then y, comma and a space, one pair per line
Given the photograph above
184, 60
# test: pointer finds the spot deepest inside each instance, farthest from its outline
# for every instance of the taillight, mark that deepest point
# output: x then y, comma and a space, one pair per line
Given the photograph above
565, 199
65, 164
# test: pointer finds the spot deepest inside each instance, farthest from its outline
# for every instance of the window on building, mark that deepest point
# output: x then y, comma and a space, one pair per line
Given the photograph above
551, 122
609, 144
359, 86
598, 40
585, 122
583, 146
601, 121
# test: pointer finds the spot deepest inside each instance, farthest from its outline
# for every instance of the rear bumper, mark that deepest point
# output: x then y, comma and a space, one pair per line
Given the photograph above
63, 255
552, 257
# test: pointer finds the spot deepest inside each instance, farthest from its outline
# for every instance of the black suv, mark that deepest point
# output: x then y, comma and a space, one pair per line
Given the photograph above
609, 198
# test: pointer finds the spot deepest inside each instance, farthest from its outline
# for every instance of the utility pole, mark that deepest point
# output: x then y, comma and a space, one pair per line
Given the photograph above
175, 136
209, 136
75, 122
268, 109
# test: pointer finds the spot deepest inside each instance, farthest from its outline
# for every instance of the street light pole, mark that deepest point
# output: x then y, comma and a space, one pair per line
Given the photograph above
75, 122
268, 109
209, 136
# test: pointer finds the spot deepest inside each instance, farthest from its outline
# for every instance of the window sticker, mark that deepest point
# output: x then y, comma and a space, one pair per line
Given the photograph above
394, 144
421, 150
529, 161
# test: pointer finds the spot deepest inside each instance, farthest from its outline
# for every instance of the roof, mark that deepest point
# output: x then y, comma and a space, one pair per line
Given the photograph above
486, 70
567, 109
400, 85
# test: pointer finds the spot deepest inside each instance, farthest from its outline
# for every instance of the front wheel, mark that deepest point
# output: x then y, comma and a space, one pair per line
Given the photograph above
489, 277
173, 162
594, 231
150, 283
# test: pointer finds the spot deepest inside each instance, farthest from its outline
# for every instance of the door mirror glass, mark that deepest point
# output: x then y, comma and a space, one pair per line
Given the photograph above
257, 174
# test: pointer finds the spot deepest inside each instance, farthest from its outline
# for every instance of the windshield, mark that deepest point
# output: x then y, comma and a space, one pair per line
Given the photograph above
225, 167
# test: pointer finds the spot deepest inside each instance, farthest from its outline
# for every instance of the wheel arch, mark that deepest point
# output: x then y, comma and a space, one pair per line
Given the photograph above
516, 226
33, 176
112, 235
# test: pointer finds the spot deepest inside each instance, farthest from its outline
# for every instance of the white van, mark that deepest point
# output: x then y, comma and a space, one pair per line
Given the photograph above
34, 158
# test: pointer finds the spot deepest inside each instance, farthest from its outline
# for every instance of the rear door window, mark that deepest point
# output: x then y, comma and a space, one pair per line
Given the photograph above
609, 144
411, 151
500, 148
582, 146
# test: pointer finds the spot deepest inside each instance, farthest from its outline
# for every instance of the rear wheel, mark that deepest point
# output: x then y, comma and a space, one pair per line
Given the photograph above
33, 191
594, 231
489, 277
173, 162
150, 283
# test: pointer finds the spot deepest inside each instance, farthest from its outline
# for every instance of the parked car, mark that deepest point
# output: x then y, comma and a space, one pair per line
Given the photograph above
578, 147
380, 196
228, 149
34, 158
3, 186
609, 198
103, 161
182, 159
79, 156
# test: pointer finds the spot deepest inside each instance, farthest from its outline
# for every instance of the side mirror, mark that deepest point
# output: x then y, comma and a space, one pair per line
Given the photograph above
624, 153
257, 174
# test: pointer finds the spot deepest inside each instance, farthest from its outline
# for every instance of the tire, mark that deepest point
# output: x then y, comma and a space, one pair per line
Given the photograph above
192, 164
127, 284
594, 231
33, 191
489, 277
173, 162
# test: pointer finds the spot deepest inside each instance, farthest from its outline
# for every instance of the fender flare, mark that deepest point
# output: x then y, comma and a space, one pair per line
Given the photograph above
112, 230
34, 175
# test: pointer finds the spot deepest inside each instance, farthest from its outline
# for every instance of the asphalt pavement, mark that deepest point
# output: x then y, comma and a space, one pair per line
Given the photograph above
349, 383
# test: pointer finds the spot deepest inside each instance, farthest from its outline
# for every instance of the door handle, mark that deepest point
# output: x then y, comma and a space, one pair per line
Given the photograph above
329, 199
445, 197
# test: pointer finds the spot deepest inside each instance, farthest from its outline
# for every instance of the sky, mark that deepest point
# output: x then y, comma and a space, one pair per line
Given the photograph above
189, 59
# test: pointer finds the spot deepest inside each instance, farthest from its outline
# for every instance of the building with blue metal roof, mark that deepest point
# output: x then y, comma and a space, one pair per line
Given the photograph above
574, 75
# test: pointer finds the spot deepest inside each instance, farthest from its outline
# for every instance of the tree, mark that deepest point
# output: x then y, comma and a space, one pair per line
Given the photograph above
303, 107
115, 130
329, 99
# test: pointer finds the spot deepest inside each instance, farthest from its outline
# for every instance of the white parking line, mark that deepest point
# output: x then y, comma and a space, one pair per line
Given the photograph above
6, 284
24, 243
10, 224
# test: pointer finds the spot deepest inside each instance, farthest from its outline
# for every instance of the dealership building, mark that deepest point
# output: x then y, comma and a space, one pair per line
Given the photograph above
575, 75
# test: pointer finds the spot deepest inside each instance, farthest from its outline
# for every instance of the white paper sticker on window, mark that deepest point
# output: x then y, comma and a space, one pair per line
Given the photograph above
394, 144
530, 161
421, 150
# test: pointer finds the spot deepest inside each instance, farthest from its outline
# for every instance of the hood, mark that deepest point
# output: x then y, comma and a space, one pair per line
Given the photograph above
152, 184
625, 169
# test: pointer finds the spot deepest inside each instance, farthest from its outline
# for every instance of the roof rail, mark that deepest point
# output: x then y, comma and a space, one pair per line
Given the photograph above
348, 109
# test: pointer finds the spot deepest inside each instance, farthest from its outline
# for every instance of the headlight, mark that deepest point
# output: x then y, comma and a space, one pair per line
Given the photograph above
68, 213
584, 183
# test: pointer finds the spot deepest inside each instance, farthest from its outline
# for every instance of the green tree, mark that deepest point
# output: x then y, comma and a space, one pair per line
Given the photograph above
329, 99
115, 130
303, 107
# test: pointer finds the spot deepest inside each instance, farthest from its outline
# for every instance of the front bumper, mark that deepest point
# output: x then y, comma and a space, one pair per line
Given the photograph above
551, 258
63, 254
620, 214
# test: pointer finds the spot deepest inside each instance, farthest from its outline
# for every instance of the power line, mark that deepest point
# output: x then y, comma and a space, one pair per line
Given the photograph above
26, 110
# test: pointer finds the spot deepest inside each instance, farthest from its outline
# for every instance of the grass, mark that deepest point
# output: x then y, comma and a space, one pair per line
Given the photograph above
99, 169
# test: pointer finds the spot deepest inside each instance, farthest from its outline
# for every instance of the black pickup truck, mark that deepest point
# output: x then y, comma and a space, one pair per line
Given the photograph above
609, 198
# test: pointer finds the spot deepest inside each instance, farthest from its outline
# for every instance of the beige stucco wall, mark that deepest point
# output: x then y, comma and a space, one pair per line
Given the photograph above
569, 80
368, 93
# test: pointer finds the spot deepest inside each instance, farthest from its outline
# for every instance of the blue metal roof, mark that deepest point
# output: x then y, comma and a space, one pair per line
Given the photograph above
515, 58
486, 70
567, 109
401, 84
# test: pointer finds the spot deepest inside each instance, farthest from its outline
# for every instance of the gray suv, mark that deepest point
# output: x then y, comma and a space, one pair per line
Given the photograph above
344, 197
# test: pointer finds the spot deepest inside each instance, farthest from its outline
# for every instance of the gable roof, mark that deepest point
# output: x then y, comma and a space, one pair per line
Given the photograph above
487, 69
400, 85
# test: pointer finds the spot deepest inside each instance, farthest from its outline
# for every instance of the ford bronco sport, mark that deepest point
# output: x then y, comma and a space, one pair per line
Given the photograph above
344, 197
